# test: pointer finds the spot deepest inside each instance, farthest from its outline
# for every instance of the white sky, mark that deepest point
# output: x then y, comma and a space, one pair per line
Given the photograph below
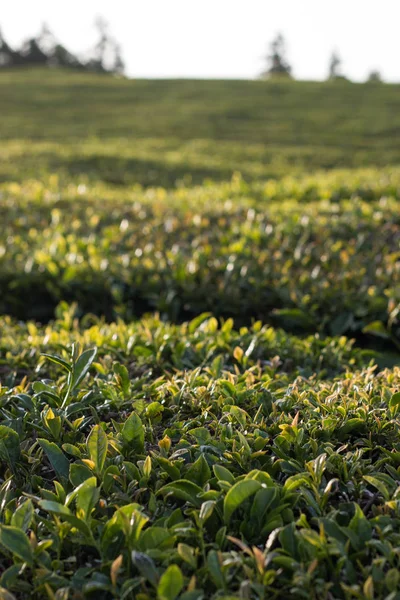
223, 38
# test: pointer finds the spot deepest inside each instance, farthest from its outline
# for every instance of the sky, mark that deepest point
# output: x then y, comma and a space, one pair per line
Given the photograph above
223, 38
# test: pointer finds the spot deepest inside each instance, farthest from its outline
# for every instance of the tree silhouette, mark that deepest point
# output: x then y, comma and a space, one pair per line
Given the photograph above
334, 66
45, 50
8, 56
106, 54
277, 64
374, 77
32, 54
46, 39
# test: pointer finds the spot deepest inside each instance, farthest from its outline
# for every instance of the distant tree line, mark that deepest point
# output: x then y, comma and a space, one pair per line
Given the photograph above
45, 50
278, 65
106, 57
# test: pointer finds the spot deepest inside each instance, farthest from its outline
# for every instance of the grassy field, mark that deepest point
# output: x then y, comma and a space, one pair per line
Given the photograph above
158, 132
200, 336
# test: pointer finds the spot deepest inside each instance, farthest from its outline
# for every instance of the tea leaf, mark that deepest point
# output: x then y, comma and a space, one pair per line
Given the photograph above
237, 494
16, 542
133, 432
183, 489
171, 583
82, 366
97, 444
22, 517
57, 459
9, 445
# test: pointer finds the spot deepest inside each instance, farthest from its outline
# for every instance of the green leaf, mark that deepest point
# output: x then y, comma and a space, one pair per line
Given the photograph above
79, 473
168, 467
97, 445
133, 432
201, 434
184, 490
55, 508
82, 366
22, 517
58, 461
154, 410
392, 578
288, 540
154, 537
378, 329
312, 537
394, 400
73, 450
59, 361
296, 481
64, 512
222, 474
9, 445
206, 510
237, 494
16, 541
352, 425
214, 567
53, 423
147, 467
379, 485
197, 321
86, 498
146, 567
239, 414
171, 583
122, 377
187, 553
199, 471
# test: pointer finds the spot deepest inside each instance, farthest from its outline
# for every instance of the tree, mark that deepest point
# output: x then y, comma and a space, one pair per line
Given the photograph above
277, 64
335, 63
374, 77
7, 55
45, 50
105, 56
57, 54
32, 54
119, 65
46, 40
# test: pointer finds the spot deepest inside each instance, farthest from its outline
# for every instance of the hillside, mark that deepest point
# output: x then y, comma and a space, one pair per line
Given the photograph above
158, 132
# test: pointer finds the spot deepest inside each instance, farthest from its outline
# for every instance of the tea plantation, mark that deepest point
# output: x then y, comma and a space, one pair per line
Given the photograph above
199, 339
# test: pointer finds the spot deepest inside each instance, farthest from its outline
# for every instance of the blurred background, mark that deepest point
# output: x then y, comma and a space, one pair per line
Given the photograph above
224, 39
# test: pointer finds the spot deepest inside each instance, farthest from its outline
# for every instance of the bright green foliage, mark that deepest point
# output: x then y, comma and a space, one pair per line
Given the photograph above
306, 251
251, 477
318, 254
234, 443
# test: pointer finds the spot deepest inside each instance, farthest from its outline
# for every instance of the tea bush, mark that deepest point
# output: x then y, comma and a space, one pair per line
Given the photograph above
199, 316
126, 476
328, 265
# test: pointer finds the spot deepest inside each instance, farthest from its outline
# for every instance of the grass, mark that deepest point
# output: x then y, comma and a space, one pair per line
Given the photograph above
199, 368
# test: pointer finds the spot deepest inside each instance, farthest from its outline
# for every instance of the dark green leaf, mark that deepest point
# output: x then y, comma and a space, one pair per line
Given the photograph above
16, 542
57, 459
237, 494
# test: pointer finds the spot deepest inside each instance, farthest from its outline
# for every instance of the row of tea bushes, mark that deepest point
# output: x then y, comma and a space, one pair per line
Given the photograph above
212, 482
153, 346
328, 266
